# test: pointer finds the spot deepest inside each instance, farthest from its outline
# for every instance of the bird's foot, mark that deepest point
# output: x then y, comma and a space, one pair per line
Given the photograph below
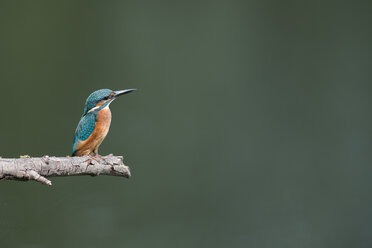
94, 158
102, 158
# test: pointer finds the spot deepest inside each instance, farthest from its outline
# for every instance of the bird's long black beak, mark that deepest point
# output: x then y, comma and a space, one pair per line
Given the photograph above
122, 92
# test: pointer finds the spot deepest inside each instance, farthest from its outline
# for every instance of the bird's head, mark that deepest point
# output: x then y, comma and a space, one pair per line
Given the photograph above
102, 97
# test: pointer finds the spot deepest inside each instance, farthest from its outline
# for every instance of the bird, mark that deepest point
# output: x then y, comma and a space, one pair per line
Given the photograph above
95, 122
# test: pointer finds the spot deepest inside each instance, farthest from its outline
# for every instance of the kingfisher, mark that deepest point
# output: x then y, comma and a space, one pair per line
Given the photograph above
95, 122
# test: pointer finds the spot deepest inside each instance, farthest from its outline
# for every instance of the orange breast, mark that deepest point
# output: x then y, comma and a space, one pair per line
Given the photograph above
101, 129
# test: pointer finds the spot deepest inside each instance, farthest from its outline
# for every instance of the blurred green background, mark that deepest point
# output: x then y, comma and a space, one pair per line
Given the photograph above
251, 126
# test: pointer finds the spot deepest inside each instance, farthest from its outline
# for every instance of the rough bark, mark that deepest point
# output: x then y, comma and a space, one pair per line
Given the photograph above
38, 169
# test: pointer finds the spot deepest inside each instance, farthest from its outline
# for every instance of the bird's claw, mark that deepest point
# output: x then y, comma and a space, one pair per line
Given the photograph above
92, 158
102, 158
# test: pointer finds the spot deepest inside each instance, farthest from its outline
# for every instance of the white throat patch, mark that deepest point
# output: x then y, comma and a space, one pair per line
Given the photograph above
97, 107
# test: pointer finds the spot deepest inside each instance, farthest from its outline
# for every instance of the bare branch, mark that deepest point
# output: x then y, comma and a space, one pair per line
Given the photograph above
39, 169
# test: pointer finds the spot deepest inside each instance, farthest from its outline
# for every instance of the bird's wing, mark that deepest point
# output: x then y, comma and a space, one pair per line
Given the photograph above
84, 128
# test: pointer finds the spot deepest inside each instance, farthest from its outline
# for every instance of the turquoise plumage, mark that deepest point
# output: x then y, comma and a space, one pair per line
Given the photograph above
84, 128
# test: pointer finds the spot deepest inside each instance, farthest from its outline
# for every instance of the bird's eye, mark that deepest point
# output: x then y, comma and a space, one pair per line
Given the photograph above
105, 98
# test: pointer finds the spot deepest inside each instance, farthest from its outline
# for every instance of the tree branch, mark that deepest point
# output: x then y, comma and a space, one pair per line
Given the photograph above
38, 169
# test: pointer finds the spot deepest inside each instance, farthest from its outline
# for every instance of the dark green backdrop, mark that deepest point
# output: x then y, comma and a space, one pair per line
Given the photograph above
251, 126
